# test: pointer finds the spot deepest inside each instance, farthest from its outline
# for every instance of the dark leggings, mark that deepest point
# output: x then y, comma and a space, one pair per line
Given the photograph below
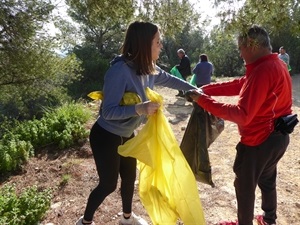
258, 166
109, 165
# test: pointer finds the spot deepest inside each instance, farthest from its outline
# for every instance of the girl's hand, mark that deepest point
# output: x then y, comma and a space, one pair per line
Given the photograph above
146, 108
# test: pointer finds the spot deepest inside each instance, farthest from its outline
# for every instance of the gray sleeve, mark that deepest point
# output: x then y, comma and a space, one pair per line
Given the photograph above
113, 90
168, 80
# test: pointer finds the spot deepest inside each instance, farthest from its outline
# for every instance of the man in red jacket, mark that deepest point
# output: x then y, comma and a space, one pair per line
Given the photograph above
265, 94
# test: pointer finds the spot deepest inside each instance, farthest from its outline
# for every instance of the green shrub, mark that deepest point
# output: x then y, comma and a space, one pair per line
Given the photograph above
65, 180
13, 153
62, 127
27, 208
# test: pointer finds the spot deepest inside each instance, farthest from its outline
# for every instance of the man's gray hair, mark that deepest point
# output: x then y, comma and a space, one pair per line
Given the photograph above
181, 51
255, 36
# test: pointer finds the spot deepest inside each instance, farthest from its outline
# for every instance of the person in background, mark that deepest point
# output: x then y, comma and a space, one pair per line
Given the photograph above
265, 94
133, 71
184, 67
284, 57
203, 71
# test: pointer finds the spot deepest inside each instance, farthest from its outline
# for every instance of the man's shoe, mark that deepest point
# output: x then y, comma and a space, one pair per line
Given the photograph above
79, 222
133, 220
260, 220
180, 94
228, 223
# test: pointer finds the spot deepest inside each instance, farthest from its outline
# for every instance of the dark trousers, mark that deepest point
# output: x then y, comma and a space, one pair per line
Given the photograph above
181, 92
109, 165
258, 166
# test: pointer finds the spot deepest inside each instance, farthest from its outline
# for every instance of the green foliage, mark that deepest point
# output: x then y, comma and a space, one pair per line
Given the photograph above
272, 14
27, 208
191, 40
44, 86
280, 18
292, 45
64, 180
178, 22
13, 153
172, 15
32, 74
94, 68
63, 127
223, 53
102, 22
20, 19
104, 26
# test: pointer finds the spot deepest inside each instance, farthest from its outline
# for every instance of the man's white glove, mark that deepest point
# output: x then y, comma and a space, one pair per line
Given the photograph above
146, 108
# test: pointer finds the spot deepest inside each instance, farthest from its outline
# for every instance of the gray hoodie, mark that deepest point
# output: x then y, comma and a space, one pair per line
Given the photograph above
121, 77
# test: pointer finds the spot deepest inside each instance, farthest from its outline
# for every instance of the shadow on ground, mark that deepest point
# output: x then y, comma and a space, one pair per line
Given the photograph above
179, 116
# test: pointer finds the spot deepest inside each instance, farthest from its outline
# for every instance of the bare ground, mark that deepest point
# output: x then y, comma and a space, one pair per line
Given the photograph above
71, 174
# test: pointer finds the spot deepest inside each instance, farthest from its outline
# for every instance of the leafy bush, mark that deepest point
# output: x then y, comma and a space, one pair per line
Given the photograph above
223, 53
94, 67
13, 153
63, 127
28, 208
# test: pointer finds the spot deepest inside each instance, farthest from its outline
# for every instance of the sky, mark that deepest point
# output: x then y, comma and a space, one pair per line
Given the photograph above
206, 9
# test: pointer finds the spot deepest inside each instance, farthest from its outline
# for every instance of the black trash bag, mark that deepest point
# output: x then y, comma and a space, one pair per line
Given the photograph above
202, 130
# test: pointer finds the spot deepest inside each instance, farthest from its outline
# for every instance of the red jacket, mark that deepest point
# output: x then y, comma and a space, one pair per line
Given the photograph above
265, 94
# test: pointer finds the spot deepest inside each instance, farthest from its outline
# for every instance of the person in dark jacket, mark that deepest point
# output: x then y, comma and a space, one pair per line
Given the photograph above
184, 67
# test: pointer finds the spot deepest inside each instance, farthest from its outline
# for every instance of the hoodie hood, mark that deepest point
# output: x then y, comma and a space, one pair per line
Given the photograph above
119, 58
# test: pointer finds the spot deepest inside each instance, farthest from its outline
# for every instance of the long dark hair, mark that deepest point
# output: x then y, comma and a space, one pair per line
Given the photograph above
137, 46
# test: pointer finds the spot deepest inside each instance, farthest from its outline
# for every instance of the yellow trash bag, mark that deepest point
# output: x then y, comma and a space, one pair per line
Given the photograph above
129, 98
167, 185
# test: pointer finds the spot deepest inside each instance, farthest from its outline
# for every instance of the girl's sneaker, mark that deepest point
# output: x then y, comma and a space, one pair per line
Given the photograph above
133, 220
79, 222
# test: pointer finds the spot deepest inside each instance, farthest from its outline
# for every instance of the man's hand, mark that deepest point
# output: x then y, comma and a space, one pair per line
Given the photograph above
194, 94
